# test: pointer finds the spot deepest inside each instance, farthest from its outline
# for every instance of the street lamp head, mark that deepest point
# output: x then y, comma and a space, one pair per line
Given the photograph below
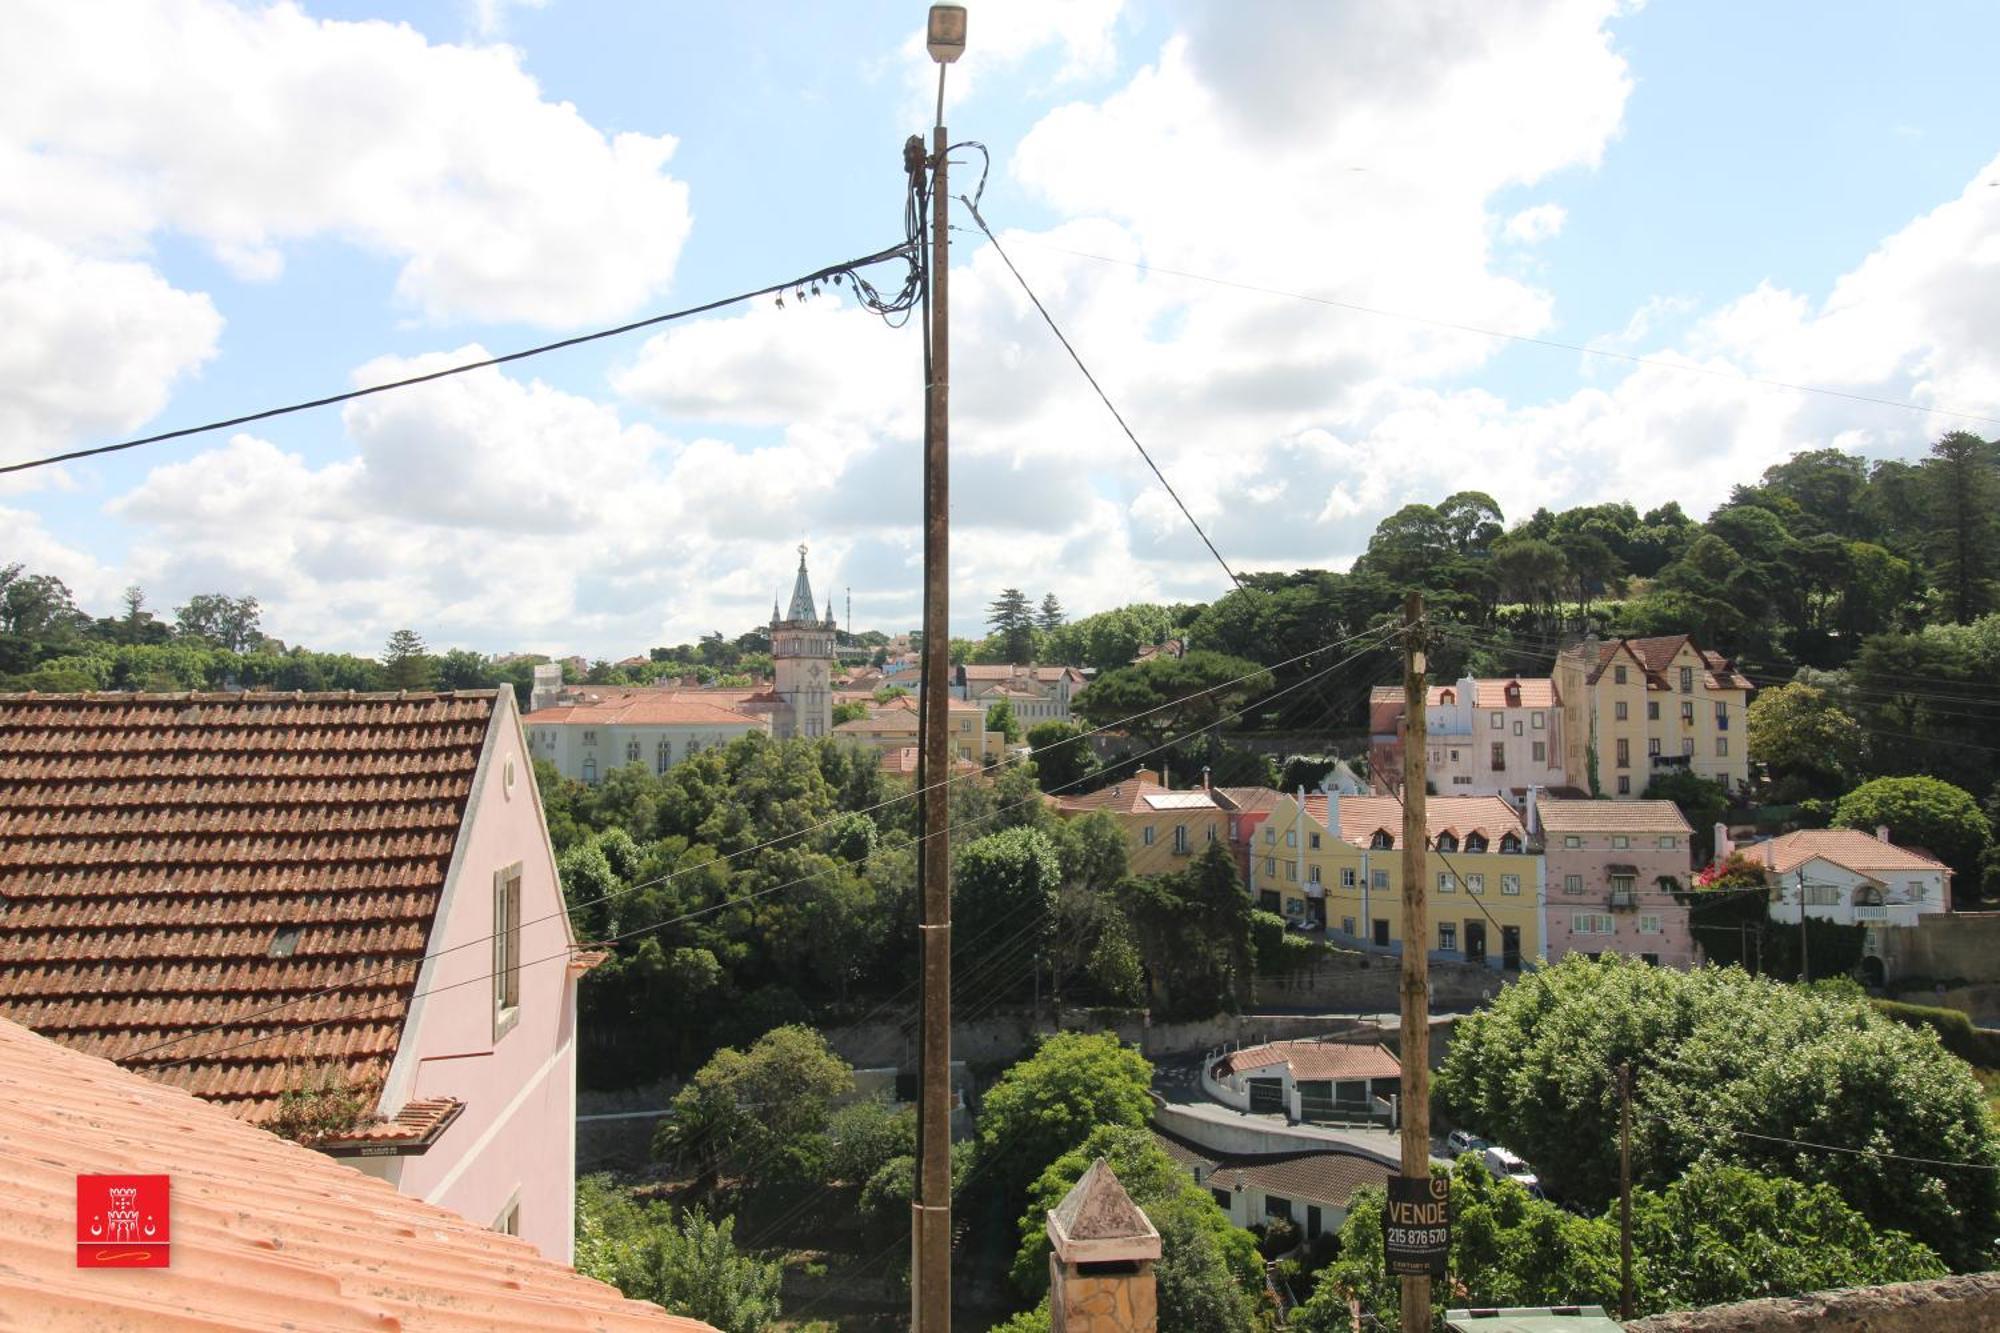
946, 34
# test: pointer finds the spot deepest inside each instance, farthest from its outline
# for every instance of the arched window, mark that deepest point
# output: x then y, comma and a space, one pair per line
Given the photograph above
1868, 896
664, 758
1509, 844
1475, 842
1447, 842
1447, 698
632, 751
1381, 841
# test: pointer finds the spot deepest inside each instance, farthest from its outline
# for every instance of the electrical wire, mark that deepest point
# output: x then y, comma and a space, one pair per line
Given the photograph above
566, 953
792, 838
894, 309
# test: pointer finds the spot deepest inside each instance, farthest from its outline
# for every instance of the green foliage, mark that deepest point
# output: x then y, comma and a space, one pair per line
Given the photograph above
1718, 1056
320, 1103
1000, 718
1209, 1273
866, 1135
849, 712
1047, 1104
1003, 895
1193, 929
1012, 620
1027, 1321
407, 664
1809, 745
1701, 800
1922, 812
690, 1265
767, 1108
1167, 696
1977, 1046
1063, 759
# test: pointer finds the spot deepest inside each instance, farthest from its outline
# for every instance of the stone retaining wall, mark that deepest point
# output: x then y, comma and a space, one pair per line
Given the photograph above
1947, 1305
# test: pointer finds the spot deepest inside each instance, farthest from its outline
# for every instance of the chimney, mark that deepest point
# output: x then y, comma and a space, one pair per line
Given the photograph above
1166, 780
1101, 1259
1770, 854
1531, 807
1882, 832
1723, 846
1204, 777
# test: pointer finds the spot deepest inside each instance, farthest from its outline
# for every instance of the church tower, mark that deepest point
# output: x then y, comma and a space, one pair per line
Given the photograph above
802, 657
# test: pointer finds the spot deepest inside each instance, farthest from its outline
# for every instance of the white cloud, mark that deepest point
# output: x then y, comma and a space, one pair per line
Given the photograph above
489, 17
1535, 224
1001, 35
252, 129
88, 347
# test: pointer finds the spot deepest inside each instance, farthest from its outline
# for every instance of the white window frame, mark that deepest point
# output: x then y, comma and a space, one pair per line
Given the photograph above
1650, 924
1146, 837
1475, 883
1538, 720
1510, 884
508, 1220
506, 949
1447, 882
1572, 883
1448, 937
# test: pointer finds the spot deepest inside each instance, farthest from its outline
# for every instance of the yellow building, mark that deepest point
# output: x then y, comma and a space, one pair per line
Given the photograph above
1286, 854
1163, 828
893, 726
1488, 893
1637, 708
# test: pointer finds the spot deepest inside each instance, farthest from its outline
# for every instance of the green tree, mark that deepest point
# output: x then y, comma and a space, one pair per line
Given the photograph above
867, 1135
1168, 696
463, 669
1964, 528
1000, 718
1719, 1057
1923, 812
1702, 801
849, 712
227, 622
1047, 1104
1804, 739
1012, 620
36, 605
1003, 895
1063, 758
1050, 618
1209, 1273
406, 663
691, 1266
768, 1106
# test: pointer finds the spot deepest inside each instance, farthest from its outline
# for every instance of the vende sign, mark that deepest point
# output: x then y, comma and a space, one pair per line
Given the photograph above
121, 1221
1417, 1225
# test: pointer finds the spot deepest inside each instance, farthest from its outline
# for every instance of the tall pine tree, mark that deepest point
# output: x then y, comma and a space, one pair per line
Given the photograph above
1051, 617
1013, 621
1963, 488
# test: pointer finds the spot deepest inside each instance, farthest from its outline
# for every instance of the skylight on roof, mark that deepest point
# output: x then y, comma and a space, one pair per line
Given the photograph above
285, 941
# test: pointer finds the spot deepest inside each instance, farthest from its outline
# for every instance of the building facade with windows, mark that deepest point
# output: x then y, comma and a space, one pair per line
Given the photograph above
1037, 694
1487, 886
1286, 854
1164, 828
1614, 870
1637, 708
1852, 878
1484, 737
802, 660
895, 726
601, 732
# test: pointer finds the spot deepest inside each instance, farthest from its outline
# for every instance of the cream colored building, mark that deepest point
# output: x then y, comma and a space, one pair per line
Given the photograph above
1037, 694
1163, 828
1495, 737
589, 738
893, 726
1634, 709
802, 659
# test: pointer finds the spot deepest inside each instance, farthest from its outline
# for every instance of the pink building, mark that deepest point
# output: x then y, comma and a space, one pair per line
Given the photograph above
1613, 869
246, 895
1484, 737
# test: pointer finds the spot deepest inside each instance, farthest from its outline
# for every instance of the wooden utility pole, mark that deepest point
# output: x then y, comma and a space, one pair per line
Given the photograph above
1625, 1191
930, 1222
1416, 936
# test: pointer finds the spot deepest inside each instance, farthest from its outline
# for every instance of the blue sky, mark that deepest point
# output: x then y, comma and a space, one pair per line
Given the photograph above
1786, 190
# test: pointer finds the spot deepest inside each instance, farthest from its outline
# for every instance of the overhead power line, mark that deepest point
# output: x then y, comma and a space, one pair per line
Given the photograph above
845, 273
1557, 344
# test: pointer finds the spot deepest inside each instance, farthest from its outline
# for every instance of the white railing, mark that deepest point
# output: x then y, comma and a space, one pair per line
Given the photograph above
1871, 912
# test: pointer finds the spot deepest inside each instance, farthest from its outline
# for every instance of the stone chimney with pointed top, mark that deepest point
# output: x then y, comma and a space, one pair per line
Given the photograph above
1101, 1264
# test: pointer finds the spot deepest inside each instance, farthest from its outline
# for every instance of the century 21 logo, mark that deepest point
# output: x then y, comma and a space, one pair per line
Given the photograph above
122, 1221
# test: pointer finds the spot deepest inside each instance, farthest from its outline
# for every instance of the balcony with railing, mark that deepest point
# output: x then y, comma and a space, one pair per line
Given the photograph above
1624, 900
1865, 913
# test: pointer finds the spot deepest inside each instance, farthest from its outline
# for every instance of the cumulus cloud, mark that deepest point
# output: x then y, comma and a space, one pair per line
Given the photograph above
1534, 224
88, 346
250, 129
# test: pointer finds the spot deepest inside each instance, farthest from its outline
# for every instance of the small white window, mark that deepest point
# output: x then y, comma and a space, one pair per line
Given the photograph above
1539, 721
1510, 884
1292, 871
1381, 879
1517, 728
1312, 874
1572, 841
1147, 836
1499, 722
506, 949
1347, 877
1668, 842
1620, 841
1572, 883
1446, 884
1291, 837
1475, 883
1448, 936
1722, 747
1270, 835
508, 1223
1649, 925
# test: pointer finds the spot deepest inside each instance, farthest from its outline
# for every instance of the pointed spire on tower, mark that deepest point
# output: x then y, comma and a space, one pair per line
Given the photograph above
802, 608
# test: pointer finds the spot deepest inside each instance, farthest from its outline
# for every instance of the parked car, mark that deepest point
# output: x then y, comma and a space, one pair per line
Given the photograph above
1504, 1162
1461, 1141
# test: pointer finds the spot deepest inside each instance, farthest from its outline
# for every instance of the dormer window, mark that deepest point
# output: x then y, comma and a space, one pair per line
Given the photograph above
1475, 842
1509, 844
1447, 699
1447, 842
1513, 694
1381, 841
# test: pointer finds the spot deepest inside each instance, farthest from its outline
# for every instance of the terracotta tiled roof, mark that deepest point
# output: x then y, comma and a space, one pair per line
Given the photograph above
902, 761
1316, 1060
1361, 816
1863, 852
265, 1234
650, 709
1139, 795
1655, 656
1560, 816
418, 1122
1324, 1176
170, 863
1535, 692
1003, 671
1250, 800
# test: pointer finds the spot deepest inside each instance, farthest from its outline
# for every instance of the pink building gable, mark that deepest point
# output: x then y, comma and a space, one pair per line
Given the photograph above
1610, 864
512, 1149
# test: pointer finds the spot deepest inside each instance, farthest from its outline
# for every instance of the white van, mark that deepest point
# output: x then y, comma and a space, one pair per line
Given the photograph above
1503, 1162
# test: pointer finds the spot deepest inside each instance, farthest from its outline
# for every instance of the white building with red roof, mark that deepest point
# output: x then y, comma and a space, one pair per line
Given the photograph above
1306, 1079
1849, 877
595, 731
1494, 737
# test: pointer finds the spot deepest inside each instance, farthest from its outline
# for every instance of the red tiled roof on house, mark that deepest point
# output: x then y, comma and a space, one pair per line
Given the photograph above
1003, 671
676, 708
1313, 1060
1327, 1175
1249, 800
1586, 816
1655, 655
1861, 852
1138, 795
1362, 816
1529, 692
172, 863
265, 1234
